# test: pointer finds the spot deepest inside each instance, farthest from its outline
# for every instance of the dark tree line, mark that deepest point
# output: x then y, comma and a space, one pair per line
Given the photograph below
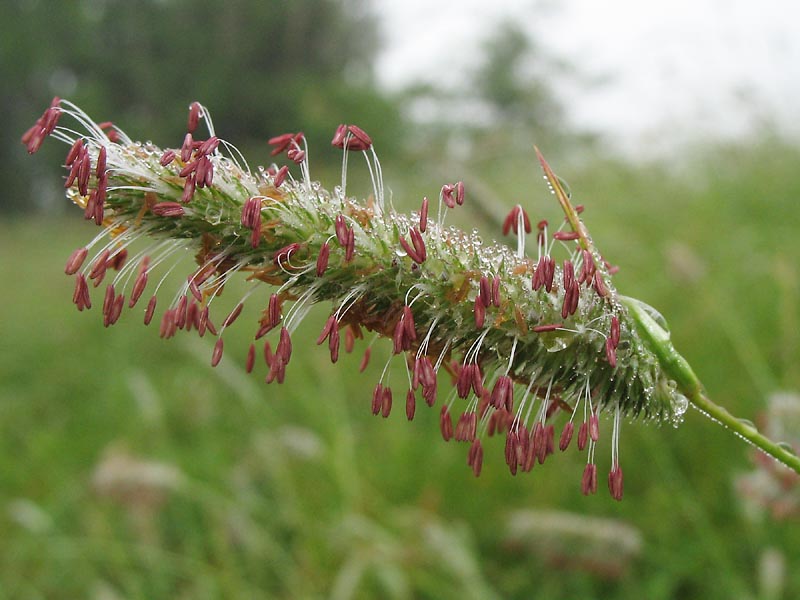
262, 67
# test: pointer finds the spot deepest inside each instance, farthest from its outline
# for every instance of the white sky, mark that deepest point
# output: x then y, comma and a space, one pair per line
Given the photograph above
671, 69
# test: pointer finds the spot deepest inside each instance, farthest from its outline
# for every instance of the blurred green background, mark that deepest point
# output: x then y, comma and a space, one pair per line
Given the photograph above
131, 469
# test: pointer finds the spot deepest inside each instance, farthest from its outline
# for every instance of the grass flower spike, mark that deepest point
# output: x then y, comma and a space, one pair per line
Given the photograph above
536, 348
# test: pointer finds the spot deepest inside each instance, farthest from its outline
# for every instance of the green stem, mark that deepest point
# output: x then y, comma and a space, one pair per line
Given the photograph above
673, 363
745, 430
678, 369
572, 215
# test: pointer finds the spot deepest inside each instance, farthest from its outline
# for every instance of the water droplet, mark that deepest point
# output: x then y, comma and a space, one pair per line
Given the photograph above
554, 343
747, 423
787, 447
565, 186
652, 313
679, 404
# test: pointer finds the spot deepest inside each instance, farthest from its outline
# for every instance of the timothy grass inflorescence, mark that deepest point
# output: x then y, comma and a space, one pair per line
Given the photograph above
527, 342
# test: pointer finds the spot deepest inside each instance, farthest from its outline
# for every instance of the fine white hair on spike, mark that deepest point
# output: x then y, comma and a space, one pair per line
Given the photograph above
206, 116
520, 234
236, 156
615, 438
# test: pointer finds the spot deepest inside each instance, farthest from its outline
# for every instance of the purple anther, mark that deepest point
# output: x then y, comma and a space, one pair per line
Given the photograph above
216, 355
322, 259
167, 158
167, 209
280, 176
194, 116
280, 143
75, 261
100, 167
350, 335
496, 291
285, 253
568, 295
599, 285
365, 360
84, 172
386, 402
410, 251
503, 393
594, 427
419, 244
284, 349
188, 189
74, 152
150, 310
333, 344
459, 193
510, 222
296, 155
549, 273
546, 328
446, 423
209, 146
589, 480
360, 135
475, 457
611, 353
186, 148
447, 195
329, 326
480, 312
274, 310
377, 399
485, 292
569, 274
566, 436
233, 315
251, 359
339, 136
583, 435
566, 236
615, 483
341, 229
411, 405
202, 321
268, 356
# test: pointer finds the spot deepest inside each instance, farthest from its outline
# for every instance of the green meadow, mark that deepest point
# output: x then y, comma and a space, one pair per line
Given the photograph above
130, 468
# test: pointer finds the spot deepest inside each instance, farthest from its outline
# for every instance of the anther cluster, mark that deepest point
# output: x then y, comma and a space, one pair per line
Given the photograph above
507, 343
